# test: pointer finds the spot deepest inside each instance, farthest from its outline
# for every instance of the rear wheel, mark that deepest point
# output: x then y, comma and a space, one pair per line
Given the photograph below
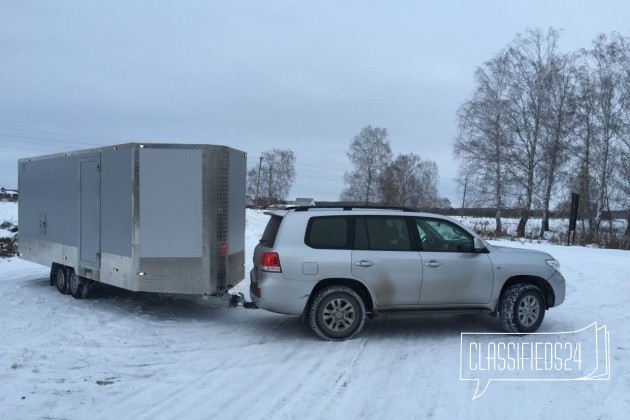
78, 286
522, 308
61, 280
337, 313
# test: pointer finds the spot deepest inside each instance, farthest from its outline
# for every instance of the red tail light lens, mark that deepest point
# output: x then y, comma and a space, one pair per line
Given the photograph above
224, 249
270, 261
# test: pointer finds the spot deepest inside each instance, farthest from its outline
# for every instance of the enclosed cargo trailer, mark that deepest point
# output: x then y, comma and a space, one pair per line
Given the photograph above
166, 218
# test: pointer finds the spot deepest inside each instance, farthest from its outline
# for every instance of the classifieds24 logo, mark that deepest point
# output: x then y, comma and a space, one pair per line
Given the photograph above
556, 356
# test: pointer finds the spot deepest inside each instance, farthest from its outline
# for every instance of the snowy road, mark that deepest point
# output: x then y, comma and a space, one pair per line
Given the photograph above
121, 355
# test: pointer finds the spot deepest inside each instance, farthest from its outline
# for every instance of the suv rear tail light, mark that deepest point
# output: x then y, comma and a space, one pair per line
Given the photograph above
270, 261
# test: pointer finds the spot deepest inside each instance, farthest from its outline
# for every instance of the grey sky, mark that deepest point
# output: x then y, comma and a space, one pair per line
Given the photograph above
260, 75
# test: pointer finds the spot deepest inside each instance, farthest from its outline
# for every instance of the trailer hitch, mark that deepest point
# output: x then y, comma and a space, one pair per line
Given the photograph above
239, 298
226, 300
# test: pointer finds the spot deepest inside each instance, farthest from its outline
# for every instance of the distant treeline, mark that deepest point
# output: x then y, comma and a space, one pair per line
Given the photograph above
512, 213
516, 213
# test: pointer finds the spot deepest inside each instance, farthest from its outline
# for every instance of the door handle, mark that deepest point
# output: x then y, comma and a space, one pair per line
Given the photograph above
364, 263
433, 264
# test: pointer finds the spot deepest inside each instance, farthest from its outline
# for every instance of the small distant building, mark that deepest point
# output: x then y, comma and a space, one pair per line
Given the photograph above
305, 202
8, 195
278, 206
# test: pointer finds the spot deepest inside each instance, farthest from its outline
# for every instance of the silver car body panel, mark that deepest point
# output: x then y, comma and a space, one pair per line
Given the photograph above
395, 277
456, 278
281, 295
558, 284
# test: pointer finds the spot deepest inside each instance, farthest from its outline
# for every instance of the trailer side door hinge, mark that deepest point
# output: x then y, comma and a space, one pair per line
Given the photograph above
98, 168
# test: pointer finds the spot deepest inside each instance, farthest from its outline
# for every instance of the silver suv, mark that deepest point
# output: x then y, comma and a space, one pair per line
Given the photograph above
337, 266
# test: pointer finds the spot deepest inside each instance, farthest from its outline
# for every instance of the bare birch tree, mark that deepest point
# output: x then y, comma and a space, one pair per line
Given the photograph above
484, 137
623, 179
582, 148
410, 181
369, 154
274, 178
606, 61
531, 57
559, 125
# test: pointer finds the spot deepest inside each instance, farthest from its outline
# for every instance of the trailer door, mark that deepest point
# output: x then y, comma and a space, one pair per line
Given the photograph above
89, 212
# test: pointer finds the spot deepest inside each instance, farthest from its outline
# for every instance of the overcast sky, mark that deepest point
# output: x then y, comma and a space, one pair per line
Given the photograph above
257, 75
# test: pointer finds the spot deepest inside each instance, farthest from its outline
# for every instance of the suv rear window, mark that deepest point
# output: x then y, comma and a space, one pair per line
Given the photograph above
269, 235
327, 232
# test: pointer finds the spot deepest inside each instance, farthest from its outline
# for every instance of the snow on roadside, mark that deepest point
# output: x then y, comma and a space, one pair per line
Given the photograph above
142, 356
6, 233
8, 212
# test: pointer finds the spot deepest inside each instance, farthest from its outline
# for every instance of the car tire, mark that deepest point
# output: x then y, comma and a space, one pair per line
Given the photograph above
521, 309
61, 280
337, 313
78, 286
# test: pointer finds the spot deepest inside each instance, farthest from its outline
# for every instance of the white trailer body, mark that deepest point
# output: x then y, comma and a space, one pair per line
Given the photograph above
166, 218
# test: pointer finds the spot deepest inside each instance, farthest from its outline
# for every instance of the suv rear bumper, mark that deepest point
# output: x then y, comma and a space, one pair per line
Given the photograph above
278, 294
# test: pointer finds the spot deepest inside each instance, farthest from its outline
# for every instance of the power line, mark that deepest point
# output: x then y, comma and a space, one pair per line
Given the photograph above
58, 133
45, 139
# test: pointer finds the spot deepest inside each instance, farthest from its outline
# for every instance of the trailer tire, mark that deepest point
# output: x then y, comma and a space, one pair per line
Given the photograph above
61, 280
78, 286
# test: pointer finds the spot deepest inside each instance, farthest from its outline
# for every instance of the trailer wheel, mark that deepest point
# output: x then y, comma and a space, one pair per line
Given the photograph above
61, 280
78, 286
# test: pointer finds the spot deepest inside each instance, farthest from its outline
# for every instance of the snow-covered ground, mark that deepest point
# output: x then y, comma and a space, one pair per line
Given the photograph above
8, 213
121, 355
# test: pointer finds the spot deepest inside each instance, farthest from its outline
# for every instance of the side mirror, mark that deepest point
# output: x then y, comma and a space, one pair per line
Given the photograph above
479, 244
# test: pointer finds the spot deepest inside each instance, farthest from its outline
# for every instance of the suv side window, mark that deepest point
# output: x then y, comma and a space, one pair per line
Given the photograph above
271, 230
327, 232
382, 233
444, 236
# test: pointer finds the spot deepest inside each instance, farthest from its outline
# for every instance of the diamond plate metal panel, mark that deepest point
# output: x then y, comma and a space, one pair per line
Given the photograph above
217, 270
171, 275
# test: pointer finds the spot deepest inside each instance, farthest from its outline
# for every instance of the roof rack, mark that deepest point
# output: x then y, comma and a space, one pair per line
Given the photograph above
348, 208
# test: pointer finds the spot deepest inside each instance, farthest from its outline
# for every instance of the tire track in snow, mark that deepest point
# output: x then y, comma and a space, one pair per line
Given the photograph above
211, 383
326, 382
346, 374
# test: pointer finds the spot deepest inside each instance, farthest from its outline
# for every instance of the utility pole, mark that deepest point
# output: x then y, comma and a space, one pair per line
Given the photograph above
464, 197
269, 186
258, 182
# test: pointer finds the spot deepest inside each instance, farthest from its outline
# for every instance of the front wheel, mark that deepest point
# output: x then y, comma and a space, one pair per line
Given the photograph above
521, 309
337, 313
